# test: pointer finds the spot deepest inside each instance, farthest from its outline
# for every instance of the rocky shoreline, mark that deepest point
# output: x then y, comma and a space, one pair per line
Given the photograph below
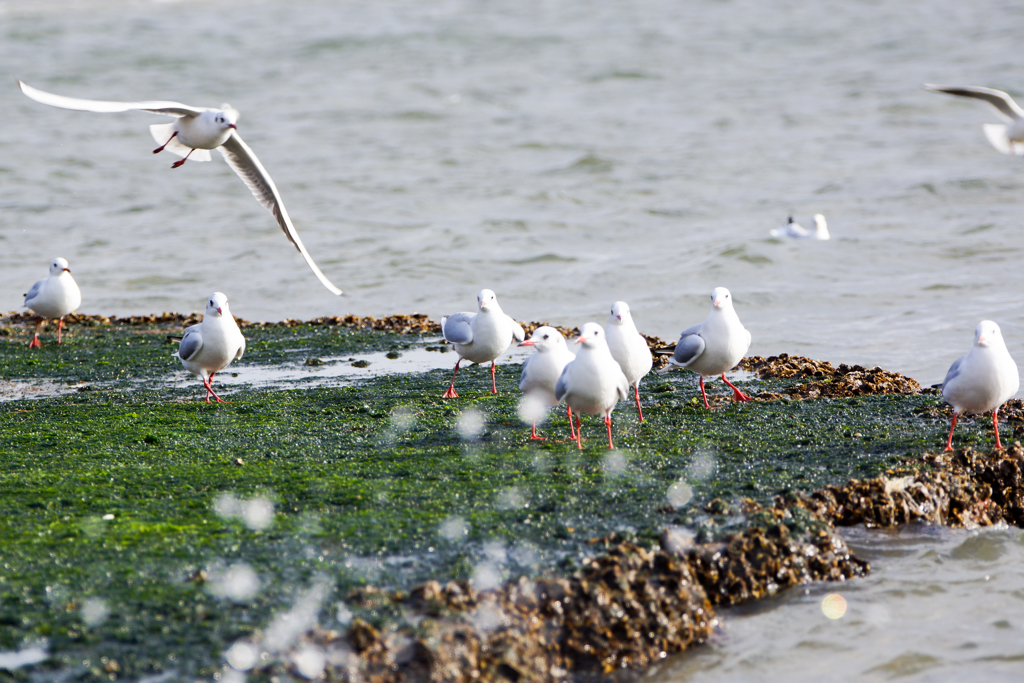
633, 602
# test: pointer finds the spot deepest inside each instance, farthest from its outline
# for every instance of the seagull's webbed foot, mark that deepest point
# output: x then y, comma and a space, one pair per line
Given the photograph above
451, 387
161, 147
737, 395
35, 343
208, 383
949, 441
181, 162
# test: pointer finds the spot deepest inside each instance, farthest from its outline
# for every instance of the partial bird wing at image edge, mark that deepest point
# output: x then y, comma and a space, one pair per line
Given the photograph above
243, 162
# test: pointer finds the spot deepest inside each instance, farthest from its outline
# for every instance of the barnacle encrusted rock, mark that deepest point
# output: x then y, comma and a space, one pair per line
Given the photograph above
830, 382
961, 489
627, 608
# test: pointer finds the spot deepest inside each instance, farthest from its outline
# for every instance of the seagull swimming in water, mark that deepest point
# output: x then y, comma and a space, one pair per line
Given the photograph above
480, 337
1008, 137
210, 346
797, 231
54, 297
194, 132
982, 380
714, 346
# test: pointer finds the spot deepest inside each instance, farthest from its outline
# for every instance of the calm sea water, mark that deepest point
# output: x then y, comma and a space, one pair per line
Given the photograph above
568, 154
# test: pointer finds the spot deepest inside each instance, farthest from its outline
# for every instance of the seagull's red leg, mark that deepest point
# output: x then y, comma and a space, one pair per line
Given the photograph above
572, 429
494, 387
737, 395
608, 423
636, 393
704, 394
161, 147
179, 162
209, 389
533, 435
949, 441
451, 389
995, 426
35, 343
60, 327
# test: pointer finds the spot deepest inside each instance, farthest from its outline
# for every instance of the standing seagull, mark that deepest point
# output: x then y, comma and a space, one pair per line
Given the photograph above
629, 349
983, 379
715, 345
480, 337
1007, 138
797, 231
593, 383
195, 131
54, 297
210, 346
542, 370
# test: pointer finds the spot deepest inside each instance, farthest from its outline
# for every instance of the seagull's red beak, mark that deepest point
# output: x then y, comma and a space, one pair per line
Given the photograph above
581, 340
232, 126
220, 311
68, 269
528, 342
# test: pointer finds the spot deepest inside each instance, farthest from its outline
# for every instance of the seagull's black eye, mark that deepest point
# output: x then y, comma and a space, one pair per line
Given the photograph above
546, 336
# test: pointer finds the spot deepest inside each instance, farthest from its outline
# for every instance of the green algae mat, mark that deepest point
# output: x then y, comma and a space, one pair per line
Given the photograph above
144, 531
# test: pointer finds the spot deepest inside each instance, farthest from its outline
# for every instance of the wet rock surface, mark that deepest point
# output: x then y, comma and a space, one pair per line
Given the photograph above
631, 606
625, 609
961, 489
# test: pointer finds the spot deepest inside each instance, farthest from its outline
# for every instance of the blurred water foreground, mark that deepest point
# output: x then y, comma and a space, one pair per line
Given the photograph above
365, 529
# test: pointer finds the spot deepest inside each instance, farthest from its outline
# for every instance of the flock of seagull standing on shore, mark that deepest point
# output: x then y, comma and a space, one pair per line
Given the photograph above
607, 363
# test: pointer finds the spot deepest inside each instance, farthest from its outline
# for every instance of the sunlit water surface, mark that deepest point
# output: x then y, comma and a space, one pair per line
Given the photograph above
939, 605
567, 155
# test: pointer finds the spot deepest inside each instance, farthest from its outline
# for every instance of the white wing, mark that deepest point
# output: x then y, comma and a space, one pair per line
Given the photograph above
997, 98
102, 106
242, 160
518, 333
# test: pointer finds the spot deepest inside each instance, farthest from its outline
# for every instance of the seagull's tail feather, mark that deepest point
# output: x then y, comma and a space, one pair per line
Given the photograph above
996, 134
162, 132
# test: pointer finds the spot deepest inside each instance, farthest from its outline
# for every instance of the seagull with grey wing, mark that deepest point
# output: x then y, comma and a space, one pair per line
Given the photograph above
194, 132
55, 297
480, 337
714, 346
1008, 137
982, 380
210, 346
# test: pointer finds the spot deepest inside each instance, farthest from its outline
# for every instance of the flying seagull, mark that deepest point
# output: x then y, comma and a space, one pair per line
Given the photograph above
195, 131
